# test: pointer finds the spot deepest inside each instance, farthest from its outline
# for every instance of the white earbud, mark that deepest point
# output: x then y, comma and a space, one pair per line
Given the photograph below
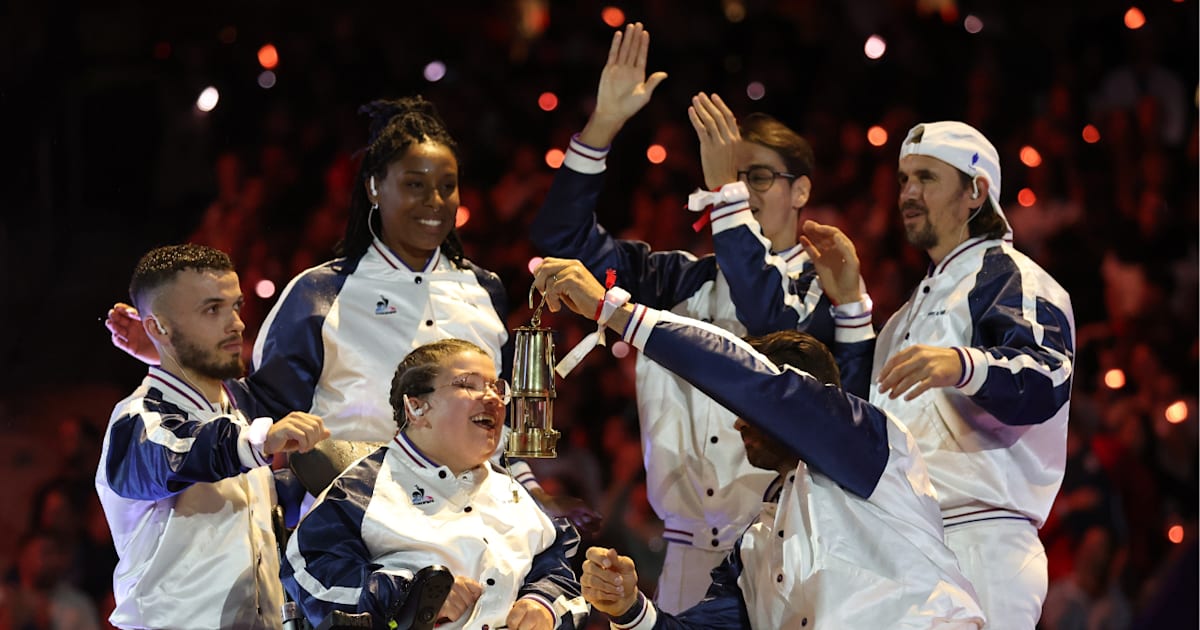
374, 192
414, 407
975, 187
159, 326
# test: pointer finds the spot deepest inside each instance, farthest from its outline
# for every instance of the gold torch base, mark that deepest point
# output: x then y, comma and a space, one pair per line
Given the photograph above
536, 443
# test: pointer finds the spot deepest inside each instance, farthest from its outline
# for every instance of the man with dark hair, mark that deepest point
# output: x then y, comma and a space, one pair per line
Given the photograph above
849, 535
978, 363
183, 473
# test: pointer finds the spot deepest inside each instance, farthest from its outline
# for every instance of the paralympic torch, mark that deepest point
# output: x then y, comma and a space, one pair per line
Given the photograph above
533, 433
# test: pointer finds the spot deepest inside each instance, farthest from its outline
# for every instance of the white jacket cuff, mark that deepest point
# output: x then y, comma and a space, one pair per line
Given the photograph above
584, 159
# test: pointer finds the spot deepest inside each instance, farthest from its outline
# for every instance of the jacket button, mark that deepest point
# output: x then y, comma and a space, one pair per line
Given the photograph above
804, 622
429, 322
925, 289
467, 509
716, 543
442, 474
418, 280
709, 492
715, 531
491, 582
779, 578
713, 439
781, 533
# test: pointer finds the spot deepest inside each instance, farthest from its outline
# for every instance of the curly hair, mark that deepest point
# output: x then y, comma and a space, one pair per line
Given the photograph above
160, 265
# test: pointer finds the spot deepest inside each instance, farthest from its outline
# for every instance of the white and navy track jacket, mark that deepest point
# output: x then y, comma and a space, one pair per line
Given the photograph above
396, 512
852, 538
995, 443
697, 477
188, 500
332, 342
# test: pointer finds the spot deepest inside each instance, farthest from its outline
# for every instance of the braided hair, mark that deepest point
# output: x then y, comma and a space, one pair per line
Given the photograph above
395, 126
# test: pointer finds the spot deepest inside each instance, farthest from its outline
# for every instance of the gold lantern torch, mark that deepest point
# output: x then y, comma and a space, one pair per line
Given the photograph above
533, 433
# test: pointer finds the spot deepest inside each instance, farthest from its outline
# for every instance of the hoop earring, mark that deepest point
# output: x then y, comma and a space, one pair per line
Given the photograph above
371, 226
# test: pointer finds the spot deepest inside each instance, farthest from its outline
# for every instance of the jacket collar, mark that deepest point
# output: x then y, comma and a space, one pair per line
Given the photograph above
381, 252
182, 392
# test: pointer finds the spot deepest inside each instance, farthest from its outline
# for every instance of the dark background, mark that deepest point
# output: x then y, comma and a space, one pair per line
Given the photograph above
105, 156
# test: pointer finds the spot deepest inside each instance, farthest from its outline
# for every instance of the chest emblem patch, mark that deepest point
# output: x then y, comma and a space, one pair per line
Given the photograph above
419, 497
383, 307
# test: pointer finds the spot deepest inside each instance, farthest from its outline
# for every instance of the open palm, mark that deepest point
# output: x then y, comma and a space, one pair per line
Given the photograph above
624, 88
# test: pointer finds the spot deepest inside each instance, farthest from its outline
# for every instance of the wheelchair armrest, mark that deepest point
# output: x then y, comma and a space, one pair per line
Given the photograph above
345, 621
426, 593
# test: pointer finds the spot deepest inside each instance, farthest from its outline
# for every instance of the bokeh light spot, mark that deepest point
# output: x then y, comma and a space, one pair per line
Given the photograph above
434, 71
1175, 534
534, 263
462, 216
208, 99
1030, 157
548, 101
875, 47
613, 16
877, 136
735, 11
656, 153
268, 56
1134, 19
620, 349
1091, 134
1026, 197
756, 90
1177, 412
973, 24
554, 158
264, 289
1114, 378
266, 79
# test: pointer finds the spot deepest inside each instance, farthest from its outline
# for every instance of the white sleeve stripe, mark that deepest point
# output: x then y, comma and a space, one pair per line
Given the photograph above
338, 594
1025, 362
162, 436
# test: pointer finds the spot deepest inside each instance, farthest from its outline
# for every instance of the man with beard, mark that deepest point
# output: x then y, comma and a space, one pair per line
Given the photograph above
978, 363
183, 474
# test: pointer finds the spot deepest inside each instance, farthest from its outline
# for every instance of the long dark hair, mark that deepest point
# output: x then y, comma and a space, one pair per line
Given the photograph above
395, 125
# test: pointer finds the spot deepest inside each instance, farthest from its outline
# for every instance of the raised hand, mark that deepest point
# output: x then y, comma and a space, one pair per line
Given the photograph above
567, 282
835, 259
917, 369
125, 324
297, 431
624, 88
609, 581
717, 129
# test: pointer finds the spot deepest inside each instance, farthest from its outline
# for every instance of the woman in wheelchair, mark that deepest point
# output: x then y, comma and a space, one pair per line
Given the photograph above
431, 497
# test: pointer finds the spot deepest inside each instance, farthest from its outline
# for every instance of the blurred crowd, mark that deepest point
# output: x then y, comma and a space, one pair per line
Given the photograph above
267, 174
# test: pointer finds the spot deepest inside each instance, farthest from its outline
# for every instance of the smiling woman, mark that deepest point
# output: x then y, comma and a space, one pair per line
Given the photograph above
431, 497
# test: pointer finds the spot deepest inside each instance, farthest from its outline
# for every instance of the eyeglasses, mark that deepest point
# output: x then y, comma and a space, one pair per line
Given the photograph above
478, 387
761, 178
